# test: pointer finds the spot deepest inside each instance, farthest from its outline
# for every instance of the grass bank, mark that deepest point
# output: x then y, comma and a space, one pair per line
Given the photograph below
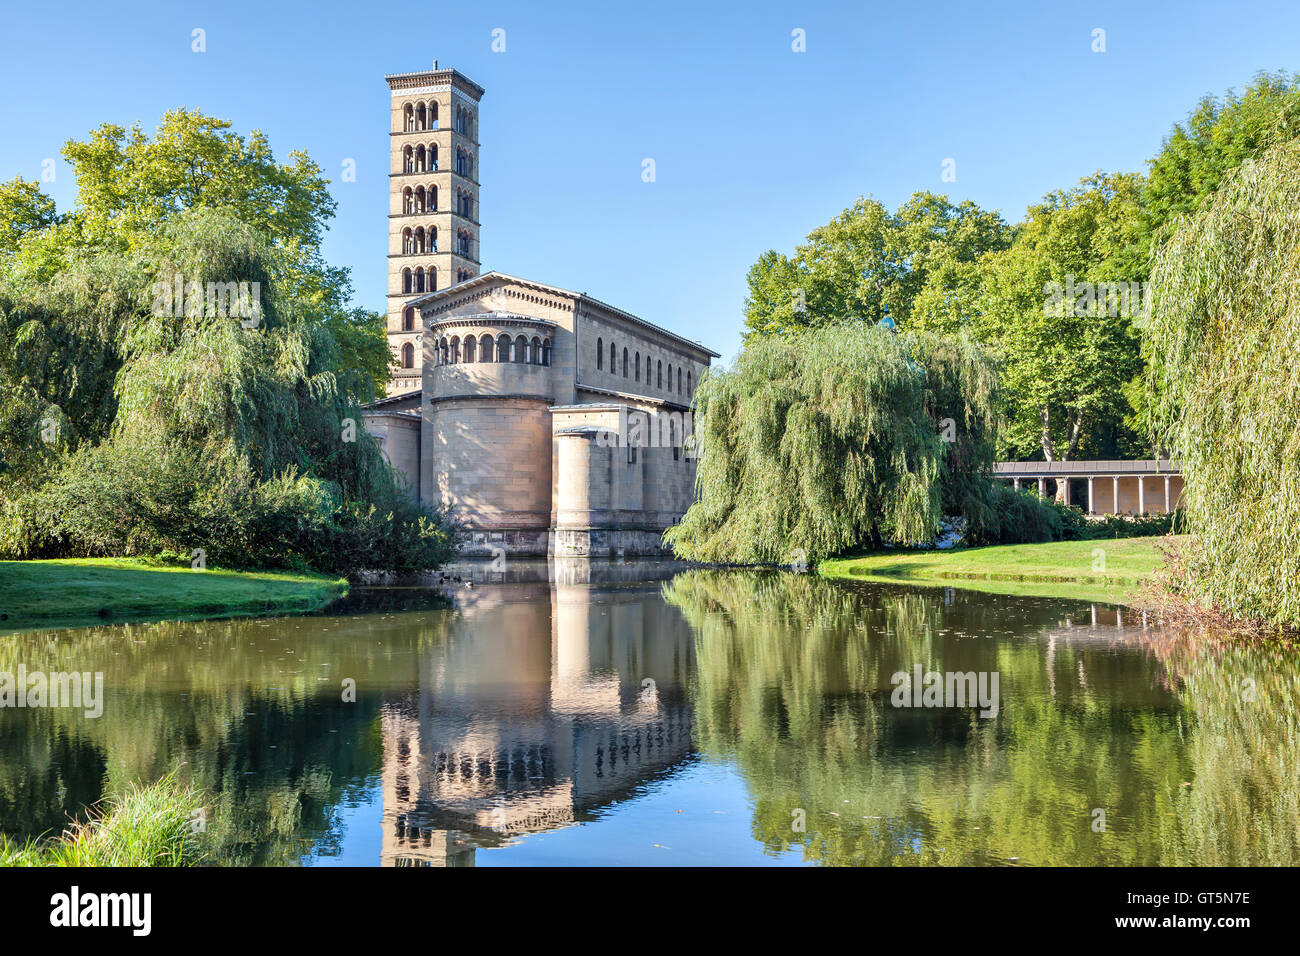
1068, 569
85, 590
145, 826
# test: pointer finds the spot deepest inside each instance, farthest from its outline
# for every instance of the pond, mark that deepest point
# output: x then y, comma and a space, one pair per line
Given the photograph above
642, 713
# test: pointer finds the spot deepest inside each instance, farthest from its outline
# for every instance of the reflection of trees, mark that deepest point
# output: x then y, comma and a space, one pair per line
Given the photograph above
794, 684
1241, 806
253, 709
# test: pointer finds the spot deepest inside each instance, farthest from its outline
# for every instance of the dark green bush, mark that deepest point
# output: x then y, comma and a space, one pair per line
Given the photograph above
1008, 516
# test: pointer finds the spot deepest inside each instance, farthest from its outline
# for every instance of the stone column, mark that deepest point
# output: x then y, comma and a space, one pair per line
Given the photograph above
1015, 483
1042, 487
1065, 489
1091, 510
1142, 498
1114, 483
1167, 509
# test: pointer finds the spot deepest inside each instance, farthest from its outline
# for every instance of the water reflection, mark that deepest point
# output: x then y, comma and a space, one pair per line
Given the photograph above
498, 708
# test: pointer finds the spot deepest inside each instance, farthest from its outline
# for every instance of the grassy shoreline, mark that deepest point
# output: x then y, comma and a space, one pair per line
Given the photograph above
68, 592
1067, 569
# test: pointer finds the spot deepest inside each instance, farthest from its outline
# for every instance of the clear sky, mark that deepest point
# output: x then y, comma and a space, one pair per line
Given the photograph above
754, 144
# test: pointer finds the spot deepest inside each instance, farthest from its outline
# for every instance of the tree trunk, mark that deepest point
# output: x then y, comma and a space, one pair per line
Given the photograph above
1045, 416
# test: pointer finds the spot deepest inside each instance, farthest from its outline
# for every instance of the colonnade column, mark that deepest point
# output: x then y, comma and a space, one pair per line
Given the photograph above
1115, 486
1167, 494
1091, 509
1042, 487
1142, 498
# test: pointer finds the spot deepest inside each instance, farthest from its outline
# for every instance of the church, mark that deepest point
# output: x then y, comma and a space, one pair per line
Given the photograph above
544, 421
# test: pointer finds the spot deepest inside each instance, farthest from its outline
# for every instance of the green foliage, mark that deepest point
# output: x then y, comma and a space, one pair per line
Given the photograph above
1217, 137
1021, 517
1225, 386
226, 438
23, 209
867, 262
1065, 363
822, 439
144, 826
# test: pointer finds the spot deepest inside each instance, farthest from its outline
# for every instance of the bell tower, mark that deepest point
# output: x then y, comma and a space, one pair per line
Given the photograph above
433, 218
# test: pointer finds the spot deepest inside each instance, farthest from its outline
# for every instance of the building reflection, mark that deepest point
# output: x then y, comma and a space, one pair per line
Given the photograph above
557, 692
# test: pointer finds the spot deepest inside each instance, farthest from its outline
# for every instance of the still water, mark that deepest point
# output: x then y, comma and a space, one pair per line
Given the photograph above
645, 714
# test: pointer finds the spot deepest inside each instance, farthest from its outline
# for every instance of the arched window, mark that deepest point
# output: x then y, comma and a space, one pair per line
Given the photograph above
408, 355
613, 359
433, 199
455, 349
408, 161
625, 362
433, 156
470, 344
407, 245
670, 376
408, 203
535, 356
521, 350
408, 122
442, 350
679, 380
421, 117
419, 159
659, 375
419, 279
503, 348
433, 238
485, 348
433, 115
546, 352
408, 319
600, 354
688, 383
406, 280
638, 366
419, 199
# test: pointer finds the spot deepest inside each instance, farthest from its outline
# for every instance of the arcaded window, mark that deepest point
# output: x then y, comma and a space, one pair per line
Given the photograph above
485, 348
406, 280
408, 355
503, 348
546, 352
521, 350
408, 319
535, 356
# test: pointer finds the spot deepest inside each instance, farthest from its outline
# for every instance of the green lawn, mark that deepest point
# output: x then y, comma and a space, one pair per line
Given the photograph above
1054, 569
78, 591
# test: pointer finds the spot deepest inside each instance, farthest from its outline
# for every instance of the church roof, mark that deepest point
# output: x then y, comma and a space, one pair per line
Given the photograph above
488, 277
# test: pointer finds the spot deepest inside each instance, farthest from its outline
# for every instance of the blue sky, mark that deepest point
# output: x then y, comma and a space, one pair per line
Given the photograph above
754, 144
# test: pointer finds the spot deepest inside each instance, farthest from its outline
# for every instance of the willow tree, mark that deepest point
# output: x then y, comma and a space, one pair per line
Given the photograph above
1225, 386
822, 440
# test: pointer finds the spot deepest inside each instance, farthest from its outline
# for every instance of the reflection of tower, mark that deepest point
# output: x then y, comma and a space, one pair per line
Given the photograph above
530, 715
433, 218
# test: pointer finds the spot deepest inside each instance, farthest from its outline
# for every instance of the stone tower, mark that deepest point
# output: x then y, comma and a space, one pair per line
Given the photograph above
433, 202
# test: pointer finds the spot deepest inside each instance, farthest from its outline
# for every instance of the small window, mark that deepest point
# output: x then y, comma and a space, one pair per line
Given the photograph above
638, 366
625, 363
600, 354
